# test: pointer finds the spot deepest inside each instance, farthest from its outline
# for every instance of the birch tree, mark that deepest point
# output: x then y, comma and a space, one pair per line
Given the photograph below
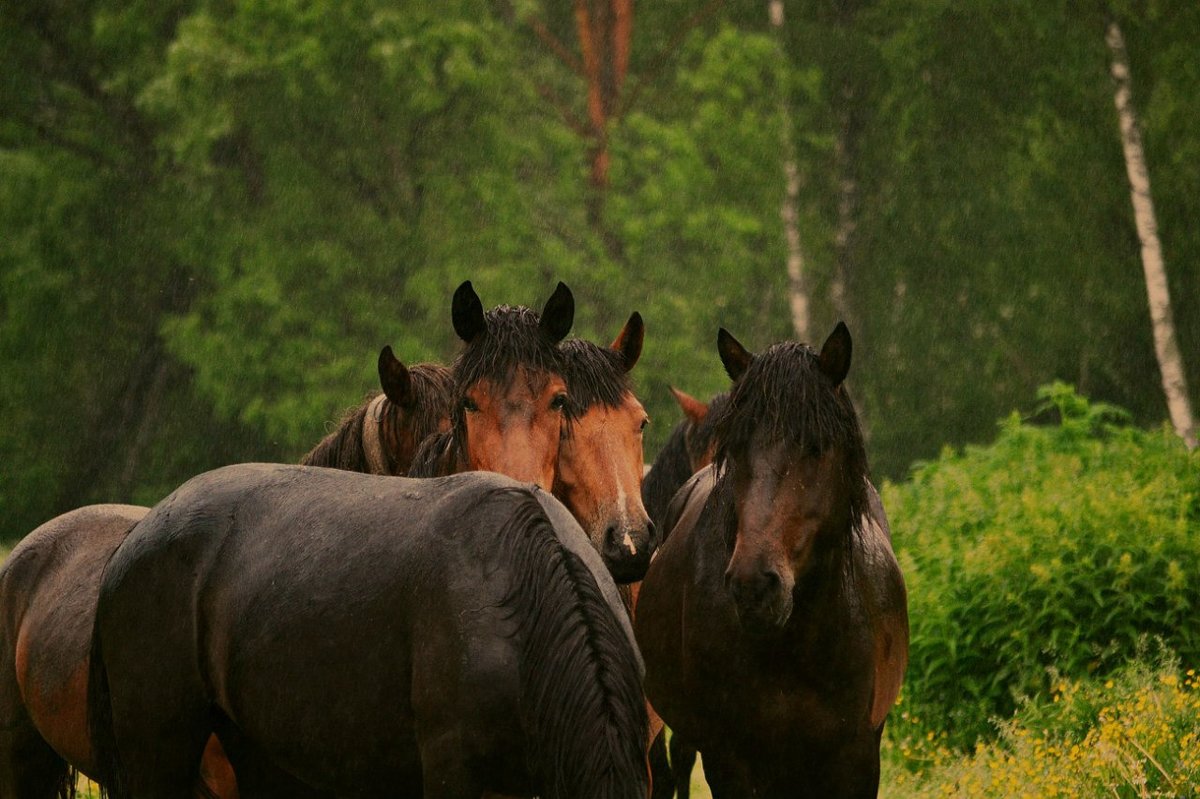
1162, 320
797, 293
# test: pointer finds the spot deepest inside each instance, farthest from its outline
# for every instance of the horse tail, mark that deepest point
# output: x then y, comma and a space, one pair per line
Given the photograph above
100, 721
581, 701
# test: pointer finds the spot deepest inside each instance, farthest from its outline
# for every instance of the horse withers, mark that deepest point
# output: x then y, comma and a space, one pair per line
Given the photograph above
779, 560
436, 638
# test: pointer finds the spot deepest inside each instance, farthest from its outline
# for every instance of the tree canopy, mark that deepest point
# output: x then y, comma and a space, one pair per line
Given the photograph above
214, 214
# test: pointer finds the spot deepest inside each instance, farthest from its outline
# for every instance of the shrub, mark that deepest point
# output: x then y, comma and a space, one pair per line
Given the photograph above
1060, 546
1136, 734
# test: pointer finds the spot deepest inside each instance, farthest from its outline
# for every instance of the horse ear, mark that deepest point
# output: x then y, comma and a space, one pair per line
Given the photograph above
835, 354
466, 311
629, 341
395, 379
735, 357
559, 313
693, 409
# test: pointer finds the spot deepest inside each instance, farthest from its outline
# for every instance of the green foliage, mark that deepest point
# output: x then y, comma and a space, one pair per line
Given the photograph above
1061, 545
1132, 736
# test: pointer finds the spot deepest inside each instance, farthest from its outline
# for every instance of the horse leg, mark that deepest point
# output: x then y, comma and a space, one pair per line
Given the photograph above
661, 780
683, 761
29, 768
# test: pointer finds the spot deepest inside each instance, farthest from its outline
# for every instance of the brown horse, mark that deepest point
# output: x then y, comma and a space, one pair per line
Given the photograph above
589, 454
774, 621
509, 394
49, 583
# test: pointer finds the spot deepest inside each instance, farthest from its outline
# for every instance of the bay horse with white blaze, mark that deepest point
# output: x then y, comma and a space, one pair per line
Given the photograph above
774, 620
579, 428
439, 638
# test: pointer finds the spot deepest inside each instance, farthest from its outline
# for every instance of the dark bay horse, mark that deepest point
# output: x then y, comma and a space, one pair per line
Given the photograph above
573, 426
381, 435
436, 638
774, 620
688, 449
49, 585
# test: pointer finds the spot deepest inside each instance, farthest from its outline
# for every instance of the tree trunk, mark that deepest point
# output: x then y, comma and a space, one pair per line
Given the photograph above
1162, 321
797, 294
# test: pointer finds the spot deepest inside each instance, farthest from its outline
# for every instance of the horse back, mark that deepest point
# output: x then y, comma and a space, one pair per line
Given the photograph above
48, 590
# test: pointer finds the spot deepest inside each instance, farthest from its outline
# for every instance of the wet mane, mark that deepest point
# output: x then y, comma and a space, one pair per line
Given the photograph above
784, 397
343, 448
594, 374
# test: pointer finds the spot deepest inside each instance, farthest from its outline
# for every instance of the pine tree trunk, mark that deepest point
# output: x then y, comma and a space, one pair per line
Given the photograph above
797, 294
1162, 321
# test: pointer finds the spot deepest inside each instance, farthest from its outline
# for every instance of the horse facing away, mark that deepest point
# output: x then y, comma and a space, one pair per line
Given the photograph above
568, 410
49, 586
797, 629
436, 638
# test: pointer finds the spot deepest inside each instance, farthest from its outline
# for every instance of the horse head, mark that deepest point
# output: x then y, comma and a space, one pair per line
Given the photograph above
792, 454
510, 394
600, 458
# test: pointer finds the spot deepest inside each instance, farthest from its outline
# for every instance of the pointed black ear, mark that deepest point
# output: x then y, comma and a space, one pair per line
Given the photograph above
559, 313
395, 379
629, 341
466, 311
835, 354
735, 357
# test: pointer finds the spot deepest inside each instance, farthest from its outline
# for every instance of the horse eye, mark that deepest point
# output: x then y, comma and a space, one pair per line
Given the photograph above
469, 405
559, 402
642, 426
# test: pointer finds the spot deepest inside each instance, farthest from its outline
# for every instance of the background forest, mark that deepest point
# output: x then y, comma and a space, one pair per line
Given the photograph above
214, 213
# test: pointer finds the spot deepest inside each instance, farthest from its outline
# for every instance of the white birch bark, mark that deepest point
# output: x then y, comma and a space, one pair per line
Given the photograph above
1162, 321
797, 294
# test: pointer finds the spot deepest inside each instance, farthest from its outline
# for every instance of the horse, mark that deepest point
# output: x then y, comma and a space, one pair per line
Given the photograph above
773, 621
688, 449
509, 397
382, 434
438, 638
589, 455
49, 585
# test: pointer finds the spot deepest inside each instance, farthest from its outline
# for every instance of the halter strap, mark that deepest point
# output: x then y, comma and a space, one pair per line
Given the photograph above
372, 439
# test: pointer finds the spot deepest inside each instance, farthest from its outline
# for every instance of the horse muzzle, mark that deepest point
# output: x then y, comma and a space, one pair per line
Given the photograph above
626, 551
762, 600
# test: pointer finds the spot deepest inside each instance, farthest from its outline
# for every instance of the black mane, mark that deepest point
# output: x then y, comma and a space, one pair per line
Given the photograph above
784, 396
343, 448
594, 374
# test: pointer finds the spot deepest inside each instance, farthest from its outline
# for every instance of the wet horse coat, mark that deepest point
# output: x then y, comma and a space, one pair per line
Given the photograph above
436, 637
774, 622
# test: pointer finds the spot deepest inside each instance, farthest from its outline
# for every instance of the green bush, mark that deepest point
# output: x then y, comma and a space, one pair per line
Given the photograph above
1058, 546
